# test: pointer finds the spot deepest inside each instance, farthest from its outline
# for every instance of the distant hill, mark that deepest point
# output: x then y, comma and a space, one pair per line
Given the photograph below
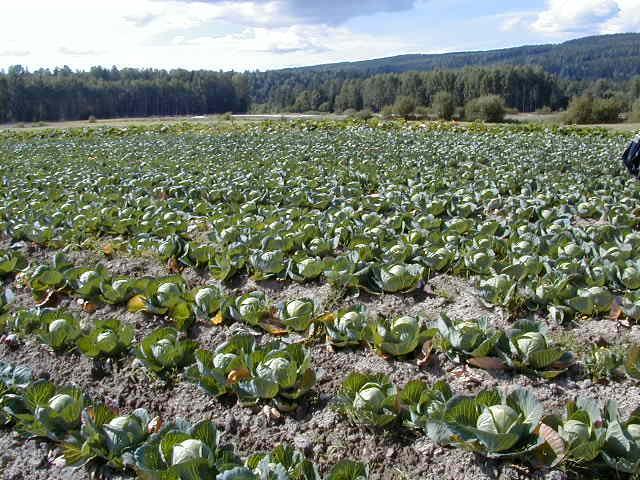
605, 56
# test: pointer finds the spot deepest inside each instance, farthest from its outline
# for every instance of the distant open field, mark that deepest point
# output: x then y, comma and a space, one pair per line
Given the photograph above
318, 300
199, 119
552, 119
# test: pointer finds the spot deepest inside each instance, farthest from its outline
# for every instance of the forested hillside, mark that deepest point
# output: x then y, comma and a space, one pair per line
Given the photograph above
527, 78
606, 56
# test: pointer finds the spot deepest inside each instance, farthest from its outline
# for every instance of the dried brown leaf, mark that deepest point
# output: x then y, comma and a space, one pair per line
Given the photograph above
487, 363
238, 374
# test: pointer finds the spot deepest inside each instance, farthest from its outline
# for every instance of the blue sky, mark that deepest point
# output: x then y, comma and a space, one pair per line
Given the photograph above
265, 34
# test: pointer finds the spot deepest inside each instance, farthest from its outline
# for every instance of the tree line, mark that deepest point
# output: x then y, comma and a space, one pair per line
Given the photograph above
524, 88
63, 94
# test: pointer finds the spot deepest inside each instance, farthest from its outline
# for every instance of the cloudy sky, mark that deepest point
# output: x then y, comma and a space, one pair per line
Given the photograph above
266, 34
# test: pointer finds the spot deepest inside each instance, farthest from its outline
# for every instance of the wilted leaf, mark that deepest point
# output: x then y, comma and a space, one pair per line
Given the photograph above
554, 441
89, 307
427, 349
173, 266
237, 375
218, 319
616, 309
155, 425
327, 317
137, 303
487, 363
48, 300
272, 327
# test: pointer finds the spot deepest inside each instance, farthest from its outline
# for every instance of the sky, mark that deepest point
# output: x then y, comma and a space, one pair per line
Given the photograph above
270, 34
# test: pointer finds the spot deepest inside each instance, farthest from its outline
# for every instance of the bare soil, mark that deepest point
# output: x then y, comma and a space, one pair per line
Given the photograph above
315, 428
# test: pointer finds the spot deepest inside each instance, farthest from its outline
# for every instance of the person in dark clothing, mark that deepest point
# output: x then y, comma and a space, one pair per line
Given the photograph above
631, 157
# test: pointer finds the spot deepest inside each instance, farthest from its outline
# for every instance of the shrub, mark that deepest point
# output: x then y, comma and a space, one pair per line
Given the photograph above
607, 110
404, 106
91, 119
387, 112
422, 112
579, 110
634, 115
489, 108
325, 107
364, 114
587, 109
443, 105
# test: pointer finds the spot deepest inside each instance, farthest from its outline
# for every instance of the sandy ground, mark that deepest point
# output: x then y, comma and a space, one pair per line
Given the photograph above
315, 428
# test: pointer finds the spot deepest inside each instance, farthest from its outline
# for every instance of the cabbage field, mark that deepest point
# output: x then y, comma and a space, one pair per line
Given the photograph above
318, 300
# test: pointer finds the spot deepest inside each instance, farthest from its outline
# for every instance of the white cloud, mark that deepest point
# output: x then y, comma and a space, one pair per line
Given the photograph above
170, 33
331, 12
563, 17
627, 19
309, 41
14, 53
512, 22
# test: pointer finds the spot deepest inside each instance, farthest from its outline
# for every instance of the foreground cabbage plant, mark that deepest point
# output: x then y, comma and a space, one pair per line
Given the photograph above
423, 402
531, 350
252, 308
369, 399
207, 302
297, 315
470, 340
11, 261
43, 409
45, 280
167, 298
183, 451
275, 371
524, 347
494, 424
282, 462
13, 380
347, 327
107, 338
58, 329
396, 278
398, 336
162, 350
109, 439
594, 437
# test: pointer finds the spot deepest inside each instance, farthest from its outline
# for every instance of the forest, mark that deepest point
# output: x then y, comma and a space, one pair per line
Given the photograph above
589, 58
605, 67
62, 94
523, 88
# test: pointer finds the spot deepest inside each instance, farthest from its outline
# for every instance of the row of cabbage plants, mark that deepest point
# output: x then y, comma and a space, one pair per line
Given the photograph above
525, 346
590, 436
93, 435
276, 372
282, 373
543, 219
